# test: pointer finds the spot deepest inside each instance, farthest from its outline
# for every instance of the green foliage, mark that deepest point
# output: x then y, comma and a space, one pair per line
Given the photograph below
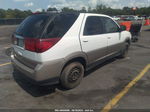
16, 13
52, 9
2, 13
124, 11
83, 9
67, 9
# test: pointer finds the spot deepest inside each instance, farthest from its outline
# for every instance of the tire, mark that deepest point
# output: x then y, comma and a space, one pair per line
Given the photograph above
124, 51
72, 75
134, 38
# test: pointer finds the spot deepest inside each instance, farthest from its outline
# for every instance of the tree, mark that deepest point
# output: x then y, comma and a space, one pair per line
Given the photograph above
16, 13
83, 9
52, 9
127, 11
2, 13
89, 9
43, 10
67, 9
10, 14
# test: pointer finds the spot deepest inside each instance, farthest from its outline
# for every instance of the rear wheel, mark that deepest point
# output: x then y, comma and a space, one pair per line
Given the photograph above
124, 51
72, 75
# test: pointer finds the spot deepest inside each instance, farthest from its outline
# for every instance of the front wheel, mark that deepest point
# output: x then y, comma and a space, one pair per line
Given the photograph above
134, 39
72, 75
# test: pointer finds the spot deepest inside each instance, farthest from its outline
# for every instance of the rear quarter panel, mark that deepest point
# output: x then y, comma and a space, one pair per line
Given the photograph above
69, 44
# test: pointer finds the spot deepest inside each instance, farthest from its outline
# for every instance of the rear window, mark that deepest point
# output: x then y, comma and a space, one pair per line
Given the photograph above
32, 26
60, 25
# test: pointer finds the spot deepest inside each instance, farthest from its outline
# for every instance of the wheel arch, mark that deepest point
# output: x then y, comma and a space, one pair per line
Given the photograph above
80, 59
128, 40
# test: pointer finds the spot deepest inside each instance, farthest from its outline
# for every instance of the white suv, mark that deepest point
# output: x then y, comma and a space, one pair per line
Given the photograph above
58, 47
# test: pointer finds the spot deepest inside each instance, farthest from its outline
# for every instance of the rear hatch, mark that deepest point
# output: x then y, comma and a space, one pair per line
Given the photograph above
39, 32
32, 27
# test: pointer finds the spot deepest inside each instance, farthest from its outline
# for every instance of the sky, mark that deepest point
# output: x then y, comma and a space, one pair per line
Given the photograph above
37, 5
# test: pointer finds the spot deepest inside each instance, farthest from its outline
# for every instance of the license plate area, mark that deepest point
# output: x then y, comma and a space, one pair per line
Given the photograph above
19, 41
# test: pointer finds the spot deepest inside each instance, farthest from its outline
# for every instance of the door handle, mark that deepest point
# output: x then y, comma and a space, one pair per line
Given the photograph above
85, 41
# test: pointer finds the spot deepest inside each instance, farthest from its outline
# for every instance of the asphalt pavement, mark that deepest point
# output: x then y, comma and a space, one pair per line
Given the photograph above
99, 87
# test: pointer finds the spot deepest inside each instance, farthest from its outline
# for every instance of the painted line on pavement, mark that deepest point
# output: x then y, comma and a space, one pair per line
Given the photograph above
5, 64
118, 97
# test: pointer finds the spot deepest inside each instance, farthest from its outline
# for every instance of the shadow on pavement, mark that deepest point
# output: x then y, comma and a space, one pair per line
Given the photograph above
32, 89
99, 66
142, 46
147, 30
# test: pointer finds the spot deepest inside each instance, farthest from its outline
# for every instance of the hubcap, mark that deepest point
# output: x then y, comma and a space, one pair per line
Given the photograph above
74, 75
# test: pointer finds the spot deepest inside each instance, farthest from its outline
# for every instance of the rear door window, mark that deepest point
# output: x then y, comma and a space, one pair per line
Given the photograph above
32, 26
93, 26
60, 25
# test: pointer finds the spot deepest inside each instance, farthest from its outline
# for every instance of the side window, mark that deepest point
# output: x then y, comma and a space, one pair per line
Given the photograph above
110, 26
60, 25
93, 26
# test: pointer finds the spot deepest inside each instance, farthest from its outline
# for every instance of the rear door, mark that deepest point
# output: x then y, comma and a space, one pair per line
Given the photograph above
112, 32
93, 42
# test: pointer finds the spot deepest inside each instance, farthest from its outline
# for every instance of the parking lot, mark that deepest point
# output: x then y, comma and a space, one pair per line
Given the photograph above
103, 86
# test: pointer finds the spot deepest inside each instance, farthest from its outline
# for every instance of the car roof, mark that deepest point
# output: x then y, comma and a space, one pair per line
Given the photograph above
95, 14
76, 13
48, 13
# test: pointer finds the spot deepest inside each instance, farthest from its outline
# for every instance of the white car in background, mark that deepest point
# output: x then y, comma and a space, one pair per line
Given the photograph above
116, 18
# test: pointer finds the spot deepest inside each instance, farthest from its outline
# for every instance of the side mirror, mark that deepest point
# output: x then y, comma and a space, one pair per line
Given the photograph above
122, 28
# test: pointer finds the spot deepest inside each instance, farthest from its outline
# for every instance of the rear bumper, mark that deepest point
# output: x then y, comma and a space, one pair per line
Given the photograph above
17, 74
43, 73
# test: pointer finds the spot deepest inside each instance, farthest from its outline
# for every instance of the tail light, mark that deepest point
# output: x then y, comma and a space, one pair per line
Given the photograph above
40, 45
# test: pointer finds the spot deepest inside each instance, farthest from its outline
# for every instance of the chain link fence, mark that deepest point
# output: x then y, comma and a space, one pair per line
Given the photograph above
12, 21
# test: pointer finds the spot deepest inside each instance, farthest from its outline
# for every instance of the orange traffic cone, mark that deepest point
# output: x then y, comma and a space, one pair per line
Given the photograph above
147, 22
127, 24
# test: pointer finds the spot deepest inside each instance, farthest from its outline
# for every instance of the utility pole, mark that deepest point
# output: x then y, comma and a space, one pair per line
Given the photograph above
134, 10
